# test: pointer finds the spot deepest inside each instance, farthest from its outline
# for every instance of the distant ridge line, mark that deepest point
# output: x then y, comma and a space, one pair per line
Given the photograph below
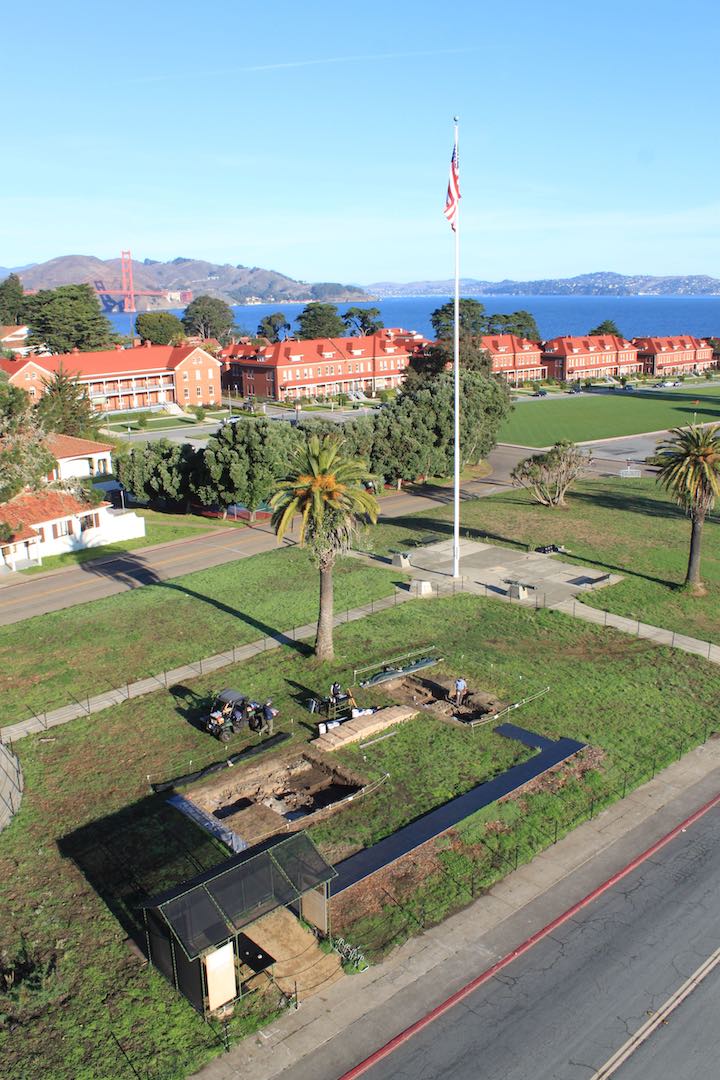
598, 283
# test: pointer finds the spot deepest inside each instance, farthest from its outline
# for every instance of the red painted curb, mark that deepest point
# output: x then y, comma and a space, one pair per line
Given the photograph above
526, 945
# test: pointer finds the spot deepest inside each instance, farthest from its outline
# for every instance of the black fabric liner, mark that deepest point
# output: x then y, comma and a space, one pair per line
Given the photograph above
437, 821
243, 755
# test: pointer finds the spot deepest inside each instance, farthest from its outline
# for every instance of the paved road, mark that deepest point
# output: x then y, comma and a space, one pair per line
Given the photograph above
561, 1011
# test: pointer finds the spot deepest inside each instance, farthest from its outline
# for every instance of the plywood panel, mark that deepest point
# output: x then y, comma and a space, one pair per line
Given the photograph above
220, 973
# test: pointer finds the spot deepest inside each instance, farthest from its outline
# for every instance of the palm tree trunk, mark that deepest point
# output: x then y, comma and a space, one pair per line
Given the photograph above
693, 571
324, 638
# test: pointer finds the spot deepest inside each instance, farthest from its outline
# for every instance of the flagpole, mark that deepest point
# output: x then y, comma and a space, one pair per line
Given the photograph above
456, 371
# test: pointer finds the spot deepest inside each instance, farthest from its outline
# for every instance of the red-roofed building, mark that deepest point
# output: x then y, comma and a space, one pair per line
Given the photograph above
591, 357
322, 366
516, 358
120, 379
53, 522
14, 339
674, 355
78, 457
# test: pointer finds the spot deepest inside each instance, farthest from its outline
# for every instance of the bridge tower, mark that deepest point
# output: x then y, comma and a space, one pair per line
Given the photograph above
128, 288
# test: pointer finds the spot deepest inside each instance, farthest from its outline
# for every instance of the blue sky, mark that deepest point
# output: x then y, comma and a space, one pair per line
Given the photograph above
314, 138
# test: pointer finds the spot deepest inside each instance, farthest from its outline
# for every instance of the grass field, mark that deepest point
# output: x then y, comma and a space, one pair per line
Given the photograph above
48, 660
90, 996
588, 416
628, 527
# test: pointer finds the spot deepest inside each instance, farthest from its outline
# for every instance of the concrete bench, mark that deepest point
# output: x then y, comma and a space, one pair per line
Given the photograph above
401, 560
518, 590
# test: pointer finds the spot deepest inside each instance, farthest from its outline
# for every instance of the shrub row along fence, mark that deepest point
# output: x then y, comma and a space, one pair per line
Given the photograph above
465, 871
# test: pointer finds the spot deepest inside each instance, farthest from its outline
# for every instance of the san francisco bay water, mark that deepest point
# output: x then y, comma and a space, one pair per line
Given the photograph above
636, 316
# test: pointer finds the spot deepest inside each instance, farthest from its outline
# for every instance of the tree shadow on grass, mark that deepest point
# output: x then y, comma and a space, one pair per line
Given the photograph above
132, 570
432, 530
301, 694
193, 707
137, 851
638, 504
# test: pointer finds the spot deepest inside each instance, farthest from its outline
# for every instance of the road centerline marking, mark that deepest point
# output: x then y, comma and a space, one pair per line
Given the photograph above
658, 1018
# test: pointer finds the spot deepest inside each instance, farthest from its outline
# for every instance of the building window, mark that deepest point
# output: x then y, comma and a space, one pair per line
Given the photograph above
198, 391
186, 392
185, 376
61, 528
198, 375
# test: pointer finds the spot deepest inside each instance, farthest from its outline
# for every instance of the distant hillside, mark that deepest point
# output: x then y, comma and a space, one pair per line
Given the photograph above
235, 284
600, 283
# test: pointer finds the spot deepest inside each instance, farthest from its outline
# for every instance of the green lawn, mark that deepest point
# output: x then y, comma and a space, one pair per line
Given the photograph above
628, 527
47, 660
588, 416
159, 529
627, 698
153, 425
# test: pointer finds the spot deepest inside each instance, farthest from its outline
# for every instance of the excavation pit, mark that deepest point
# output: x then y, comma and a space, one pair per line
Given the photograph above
282, 793
437, 696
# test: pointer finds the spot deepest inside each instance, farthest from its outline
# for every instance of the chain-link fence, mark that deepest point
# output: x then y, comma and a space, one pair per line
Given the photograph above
91, 694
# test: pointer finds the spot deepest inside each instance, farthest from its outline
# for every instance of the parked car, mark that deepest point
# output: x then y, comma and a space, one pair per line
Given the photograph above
540, 393
628, 388
576, 390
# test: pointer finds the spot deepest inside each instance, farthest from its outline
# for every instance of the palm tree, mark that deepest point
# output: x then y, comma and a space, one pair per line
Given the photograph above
325, 488
690, 470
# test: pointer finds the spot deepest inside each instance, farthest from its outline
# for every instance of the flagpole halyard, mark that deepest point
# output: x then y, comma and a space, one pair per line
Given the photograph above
456, 372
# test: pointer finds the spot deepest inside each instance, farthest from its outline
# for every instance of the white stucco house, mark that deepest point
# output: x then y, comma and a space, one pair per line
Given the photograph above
77, 458
49, 522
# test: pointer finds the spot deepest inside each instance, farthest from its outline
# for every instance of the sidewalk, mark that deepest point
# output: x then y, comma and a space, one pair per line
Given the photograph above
335, 1029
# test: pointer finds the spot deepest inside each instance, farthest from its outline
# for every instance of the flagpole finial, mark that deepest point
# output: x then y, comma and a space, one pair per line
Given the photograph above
456, 119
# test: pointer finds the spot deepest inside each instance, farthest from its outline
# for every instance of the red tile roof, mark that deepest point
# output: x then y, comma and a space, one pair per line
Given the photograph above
669, 344
13, 331
67, 446
507, 344
113, 361
36, 508
598, 344
294, 350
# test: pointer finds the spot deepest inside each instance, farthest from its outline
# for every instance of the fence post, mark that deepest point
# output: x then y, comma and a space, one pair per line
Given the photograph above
592, 808
672, 643
201, 670
638, 629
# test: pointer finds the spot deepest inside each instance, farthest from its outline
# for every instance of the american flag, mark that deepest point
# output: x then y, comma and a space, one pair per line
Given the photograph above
453, 191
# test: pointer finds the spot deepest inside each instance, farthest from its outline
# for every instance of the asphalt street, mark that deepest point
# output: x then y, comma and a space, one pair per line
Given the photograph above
561, 1011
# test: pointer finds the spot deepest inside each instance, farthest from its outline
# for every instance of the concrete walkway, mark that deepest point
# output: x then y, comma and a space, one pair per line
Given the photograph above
342, 1025
11, 786
555, 586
